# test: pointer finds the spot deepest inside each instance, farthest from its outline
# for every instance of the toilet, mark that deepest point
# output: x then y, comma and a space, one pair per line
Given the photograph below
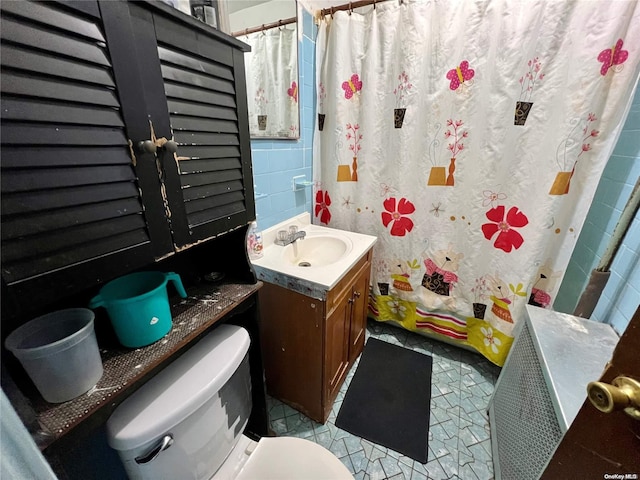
187, 423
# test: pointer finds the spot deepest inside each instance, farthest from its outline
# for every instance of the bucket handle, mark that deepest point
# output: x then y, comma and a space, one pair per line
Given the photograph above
177, 282
96, 302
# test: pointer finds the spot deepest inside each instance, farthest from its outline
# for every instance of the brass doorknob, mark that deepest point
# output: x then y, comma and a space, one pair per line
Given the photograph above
623, 394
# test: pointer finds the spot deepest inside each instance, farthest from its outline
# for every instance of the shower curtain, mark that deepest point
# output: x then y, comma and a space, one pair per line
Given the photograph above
469, 137
272, 83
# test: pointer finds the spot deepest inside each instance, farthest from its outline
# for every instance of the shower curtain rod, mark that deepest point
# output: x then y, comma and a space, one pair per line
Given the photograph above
351, 5
265, 26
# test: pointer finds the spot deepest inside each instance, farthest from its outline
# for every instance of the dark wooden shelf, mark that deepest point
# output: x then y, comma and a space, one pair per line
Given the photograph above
125, 370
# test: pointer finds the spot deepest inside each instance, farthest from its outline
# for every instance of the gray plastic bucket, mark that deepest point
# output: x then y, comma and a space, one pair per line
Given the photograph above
60, 353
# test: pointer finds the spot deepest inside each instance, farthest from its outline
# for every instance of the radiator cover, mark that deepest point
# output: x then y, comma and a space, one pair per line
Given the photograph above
541, 388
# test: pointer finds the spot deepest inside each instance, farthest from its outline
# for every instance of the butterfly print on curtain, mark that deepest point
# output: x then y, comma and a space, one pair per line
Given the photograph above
352, 87
460, 76
613, 58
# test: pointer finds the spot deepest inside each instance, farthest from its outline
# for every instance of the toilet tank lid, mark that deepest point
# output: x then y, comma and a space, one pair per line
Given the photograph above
178, 390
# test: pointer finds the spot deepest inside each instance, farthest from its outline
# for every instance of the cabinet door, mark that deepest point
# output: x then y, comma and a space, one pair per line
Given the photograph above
336, 349
195, 90
360, 292
72, 208
291, 338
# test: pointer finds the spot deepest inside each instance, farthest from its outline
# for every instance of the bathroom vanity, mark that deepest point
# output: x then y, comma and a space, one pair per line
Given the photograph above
313, 319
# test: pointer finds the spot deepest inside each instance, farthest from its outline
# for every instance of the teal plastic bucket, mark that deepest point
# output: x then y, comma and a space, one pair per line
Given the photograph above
138, 306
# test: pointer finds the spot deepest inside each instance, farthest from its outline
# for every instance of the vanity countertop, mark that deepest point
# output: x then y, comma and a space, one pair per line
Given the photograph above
314, 281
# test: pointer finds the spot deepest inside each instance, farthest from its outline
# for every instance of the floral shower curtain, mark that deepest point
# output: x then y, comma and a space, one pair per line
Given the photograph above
469, 136
272, 83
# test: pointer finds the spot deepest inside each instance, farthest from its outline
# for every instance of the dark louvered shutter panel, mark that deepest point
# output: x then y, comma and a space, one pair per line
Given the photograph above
204, 120
69, 190
205, 91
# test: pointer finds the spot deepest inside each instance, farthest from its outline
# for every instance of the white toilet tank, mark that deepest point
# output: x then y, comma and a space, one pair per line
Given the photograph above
183, 423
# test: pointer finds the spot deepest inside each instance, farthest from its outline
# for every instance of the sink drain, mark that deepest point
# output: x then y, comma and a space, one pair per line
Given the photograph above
304, 264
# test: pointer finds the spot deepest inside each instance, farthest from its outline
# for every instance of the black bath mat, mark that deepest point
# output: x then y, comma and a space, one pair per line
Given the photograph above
388, 399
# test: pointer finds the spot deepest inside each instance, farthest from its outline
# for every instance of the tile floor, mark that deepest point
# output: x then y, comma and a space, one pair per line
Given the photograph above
459, 443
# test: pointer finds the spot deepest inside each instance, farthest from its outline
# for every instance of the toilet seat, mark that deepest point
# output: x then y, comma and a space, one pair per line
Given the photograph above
290, 458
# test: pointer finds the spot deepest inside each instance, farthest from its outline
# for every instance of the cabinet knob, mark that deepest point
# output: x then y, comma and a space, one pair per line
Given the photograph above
356, 294
147, 146
351, 300
171, 146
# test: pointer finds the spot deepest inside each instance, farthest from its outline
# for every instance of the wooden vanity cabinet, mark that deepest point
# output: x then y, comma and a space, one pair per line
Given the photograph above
310, 344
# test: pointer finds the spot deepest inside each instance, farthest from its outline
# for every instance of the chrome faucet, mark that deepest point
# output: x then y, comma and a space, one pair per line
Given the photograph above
285, 238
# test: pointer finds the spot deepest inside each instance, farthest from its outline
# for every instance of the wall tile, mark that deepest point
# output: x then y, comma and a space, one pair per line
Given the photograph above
279, 182
621, 169
280, 160
308, 158
628, 143
570, 292
261, 184
260, 160
623, 198
263, 206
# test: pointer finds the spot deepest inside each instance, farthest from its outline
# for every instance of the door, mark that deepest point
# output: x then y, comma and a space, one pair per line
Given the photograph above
336, 348
360, 295
599, 444
195, 92
72, 209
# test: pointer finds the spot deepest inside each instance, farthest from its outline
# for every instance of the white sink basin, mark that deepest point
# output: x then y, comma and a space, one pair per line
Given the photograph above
316, 251
314, 265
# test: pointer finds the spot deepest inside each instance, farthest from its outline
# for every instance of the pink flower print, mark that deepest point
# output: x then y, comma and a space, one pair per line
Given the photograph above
507, 238
323, 202
402, 89
352, 134
457, 134
322, 94
401, 224
528, 81
588, 133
